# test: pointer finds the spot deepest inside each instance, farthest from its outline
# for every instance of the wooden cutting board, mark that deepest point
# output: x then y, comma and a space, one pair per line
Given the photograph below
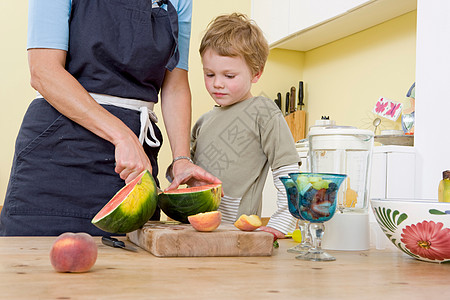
166, 239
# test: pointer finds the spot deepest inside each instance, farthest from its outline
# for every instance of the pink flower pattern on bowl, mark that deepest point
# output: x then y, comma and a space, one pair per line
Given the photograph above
420, 229
427, 239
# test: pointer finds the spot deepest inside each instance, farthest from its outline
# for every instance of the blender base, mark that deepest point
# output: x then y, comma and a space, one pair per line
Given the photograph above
347, 231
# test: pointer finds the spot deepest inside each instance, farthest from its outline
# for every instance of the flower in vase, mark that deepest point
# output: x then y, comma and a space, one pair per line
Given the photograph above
428, 240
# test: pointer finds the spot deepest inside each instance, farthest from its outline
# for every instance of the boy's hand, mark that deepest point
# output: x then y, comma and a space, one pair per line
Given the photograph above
277, 234
185, 172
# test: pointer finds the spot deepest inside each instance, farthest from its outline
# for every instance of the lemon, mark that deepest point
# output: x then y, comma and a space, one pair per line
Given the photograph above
297, 235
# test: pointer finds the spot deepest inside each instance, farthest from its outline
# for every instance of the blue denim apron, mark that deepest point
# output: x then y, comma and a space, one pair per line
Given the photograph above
63, 174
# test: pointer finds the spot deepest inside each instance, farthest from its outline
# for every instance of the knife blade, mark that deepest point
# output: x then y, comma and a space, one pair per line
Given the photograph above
115, 243
300, 95
292, 100
287, 109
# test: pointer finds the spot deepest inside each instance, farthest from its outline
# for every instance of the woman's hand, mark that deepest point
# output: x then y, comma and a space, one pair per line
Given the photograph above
131, 159
185, 172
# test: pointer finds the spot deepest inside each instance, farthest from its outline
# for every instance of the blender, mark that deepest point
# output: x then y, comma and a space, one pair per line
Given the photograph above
345, 150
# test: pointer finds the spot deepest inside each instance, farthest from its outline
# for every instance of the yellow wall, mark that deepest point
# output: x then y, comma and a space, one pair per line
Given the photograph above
343, 79
15, 90
283, 70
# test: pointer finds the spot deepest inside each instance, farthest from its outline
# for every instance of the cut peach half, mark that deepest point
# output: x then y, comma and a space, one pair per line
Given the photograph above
248, 223
208, 221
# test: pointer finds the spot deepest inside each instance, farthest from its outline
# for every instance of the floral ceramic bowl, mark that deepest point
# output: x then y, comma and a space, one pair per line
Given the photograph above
420, 229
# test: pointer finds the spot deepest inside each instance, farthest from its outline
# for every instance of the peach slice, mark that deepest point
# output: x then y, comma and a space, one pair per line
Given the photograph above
248, 223
207, 221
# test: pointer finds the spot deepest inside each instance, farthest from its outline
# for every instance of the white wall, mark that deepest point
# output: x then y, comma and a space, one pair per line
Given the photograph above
432, 138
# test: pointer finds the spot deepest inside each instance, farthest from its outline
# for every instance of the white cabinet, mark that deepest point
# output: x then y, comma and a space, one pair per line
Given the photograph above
393, 172
306, 13
272, 17
306, 24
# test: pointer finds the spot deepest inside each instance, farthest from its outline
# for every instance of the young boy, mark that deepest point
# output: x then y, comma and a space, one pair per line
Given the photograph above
243, 135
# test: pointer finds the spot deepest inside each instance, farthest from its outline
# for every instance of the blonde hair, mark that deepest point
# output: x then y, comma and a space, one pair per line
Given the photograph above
236, 35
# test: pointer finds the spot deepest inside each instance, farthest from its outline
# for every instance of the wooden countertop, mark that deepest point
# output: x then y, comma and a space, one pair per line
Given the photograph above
26, 273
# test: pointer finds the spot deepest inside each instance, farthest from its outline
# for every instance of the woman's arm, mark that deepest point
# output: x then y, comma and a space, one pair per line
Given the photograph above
176, 110
65, 93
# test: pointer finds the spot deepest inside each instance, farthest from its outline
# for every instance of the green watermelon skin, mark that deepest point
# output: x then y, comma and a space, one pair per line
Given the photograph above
180, 205
135, 209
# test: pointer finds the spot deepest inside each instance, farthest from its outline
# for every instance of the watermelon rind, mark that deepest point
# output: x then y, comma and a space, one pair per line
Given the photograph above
136, 208
182, 203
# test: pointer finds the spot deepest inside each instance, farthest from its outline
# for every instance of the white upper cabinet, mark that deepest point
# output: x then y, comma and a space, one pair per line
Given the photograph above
306, 24
272, 17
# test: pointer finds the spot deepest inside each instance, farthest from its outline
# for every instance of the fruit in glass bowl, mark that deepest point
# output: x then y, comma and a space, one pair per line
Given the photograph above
418, 228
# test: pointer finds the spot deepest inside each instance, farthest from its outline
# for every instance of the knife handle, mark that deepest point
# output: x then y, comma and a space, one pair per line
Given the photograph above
287, 104
112, 242
278, 100
292, 100
300, 95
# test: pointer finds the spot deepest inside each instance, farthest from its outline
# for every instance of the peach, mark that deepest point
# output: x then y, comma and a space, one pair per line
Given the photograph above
207, 221
248, 223
73, 252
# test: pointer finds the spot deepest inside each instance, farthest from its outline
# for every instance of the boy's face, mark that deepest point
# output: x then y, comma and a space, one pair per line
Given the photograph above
227, 79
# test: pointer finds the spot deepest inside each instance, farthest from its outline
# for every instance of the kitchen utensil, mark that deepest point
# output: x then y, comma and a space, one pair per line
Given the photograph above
278, 100
292, 106
345, 150
376, 123
115, 243
287, 108
314, 199
169, 240
300, 95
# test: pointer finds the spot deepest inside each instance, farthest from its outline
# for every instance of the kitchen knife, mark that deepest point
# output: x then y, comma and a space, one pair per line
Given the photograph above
300, 95
115, 243
287, 108
278, 100
292, 100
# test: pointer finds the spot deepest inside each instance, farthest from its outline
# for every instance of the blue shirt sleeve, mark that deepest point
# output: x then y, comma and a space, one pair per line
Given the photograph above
184, 9
48, 24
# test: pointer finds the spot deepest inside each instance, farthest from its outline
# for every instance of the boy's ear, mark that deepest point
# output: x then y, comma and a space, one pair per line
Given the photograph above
257, 76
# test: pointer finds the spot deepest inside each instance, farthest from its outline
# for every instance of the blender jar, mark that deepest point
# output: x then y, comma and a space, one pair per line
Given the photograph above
345, 150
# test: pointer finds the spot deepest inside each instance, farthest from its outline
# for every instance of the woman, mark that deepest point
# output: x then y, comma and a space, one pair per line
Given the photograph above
98, 67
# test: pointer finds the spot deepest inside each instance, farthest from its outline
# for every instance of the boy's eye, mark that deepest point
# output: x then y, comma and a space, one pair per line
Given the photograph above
230, 75
209, 74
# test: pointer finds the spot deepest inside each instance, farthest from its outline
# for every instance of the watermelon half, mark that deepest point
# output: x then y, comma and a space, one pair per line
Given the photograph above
181, 203
131, 207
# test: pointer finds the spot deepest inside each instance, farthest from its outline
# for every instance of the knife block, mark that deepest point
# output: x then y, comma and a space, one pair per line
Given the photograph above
296, 122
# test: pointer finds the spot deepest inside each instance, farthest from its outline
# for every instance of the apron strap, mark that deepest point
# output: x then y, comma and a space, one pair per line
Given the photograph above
146, 114
144, 107
173, 18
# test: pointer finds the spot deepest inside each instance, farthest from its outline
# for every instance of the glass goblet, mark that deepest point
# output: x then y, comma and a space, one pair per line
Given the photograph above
317, 198
292, 196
